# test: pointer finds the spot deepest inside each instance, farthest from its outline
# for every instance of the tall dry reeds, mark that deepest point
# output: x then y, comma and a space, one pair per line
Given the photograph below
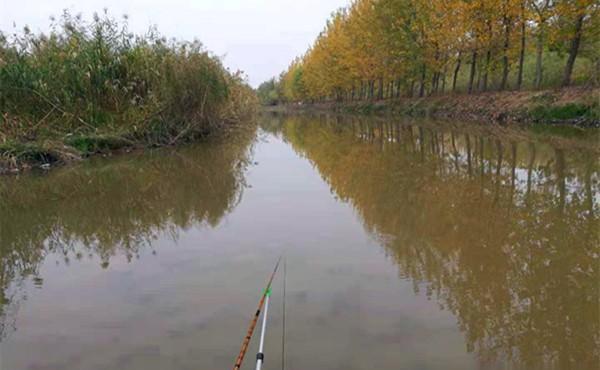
86, 86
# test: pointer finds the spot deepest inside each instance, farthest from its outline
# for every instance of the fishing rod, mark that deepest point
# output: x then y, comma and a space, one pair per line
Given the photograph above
264, 299
260, 356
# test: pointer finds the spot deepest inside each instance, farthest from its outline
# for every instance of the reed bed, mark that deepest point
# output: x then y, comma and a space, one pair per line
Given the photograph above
94, 86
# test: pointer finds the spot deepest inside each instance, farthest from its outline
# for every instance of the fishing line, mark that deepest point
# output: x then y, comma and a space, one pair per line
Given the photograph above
283, 303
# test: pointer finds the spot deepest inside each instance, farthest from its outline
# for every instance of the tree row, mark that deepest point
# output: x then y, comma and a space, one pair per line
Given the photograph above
376, 49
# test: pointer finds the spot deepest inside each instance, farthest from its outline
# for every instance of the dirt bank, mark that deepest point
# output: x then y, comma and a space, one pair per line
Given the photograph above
578, 106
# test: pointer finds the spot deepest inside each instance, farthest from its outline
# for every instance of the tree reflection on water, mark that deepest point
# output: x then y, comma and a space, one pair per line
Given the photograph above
105, 208
498, 228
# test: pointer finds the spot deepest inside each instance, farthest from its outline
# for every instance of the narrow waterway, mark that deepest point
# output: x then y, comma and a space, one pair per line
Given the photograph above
409, 245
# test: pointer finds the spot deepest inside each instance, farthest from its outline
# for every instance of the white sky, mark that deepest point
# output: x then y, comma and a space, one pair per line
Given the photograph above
260, 37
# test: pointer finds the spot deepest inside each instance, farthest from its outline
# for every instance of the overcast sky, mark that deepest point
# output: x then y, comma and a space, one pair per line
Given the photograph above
260, 37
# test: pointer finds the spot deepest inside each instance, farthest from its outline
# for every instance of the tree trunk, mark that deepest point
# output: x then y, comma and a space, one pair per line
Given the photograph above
573, 49
458, 62
472, 74
434, 82
363, 94
505, 56
387, 90
538, 59
422, 87
522, 51
360, 90
444, 80
488, 56
380, 90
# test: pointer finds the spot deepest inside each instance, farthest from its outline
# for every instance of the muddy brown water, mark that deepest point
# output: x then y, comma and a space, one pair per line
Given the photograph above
409, 245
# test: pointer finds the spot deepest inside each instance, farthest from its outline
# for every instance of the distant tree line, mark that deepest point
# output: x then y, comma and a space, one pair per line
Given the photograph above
268, 92
377, 49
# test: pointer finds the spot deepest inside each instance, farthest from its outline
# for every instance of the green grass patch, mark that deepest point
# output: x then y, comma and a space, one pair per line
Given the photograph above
564, 112
89, 144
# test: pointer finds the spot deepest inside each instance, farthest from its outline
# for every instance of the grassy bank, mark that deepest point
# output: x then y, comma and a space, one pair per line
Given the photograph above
572, 106
89, 87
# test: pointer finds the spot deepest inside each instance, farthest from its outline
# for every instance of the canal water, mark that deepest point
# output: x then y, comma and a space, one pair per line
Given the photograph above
408, 245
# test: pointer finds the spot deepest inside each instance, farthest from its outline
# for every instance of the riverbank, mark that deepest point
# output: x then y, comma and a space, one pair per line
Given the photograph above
578, 106
46, 154
91, 88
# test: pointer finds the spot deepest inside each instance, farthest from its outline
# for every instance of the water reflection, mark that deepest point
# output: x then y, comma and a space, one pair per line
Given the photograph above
502, 230
118, 206
498, 227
